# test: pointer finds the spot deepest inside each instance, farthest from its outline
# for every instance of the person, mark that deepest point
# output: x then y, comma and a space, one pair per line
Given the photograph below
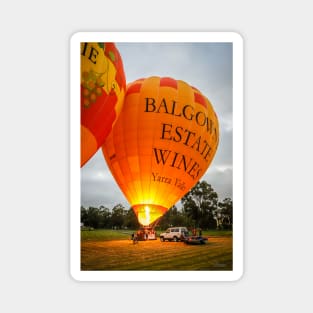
200, 232
135, 238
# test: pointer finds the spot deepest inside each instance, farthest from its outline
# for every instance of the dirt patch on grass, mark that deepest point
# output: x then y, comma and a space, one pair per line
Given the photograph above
215, 255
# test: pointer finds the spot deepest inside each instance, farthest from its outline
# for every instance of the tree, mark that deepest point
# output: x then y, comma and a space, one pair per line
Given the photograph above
130, 219
199, 204
173, 217
105, 217
83, 215
117, 217
223, 215
90, 216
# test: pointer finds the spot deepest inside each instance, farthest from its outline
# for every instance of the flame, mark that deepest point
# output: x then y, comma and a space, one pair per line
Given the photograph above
147, 210
144, 216
147, 214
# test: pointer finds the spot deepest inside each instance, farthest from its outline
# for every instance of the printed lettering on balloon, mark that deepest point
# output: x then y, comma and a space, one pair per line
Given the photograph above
90, 51
183, 135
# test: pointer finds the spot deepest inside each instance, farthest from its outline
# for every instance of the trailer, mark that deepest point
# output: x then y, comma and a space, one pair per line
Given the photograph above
195, 240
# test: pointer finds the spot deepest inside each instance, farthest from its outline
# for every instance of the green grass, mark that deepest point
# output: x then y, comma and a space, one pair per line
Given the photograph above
108, 234
105, 234
112, 250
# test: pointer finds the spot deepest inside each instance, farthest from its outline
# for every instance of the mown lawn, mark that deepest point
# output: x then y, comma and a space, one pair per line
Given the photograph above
105, 234
108, 234
113, 250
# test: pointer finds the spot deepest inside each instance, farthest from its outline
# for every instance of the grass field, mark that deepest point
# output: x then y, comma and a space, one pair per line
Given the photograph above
113, 250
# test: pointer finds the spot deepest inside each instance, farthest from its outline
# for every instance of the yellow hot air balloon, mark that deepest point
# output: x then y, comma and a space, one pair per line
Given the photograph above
161, 145
103, 87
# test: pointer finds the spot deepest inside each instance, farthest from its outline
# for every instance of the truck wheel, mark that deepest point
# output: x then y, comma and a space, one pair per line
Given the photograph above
161, 239
175, 239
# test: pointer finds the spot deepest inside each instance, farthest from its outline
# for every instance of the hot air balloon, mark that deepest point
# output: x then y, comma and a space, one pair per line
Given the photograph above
161, 145
103, 87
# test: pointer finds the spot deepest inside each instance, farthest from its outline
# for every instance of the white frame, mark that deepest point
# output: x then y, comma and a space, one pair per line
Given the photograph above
237, 42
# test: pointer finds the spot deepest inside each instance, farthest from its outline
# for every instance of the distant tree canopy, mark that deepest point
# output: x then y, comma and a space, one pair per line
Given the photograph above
200, 208
103, 217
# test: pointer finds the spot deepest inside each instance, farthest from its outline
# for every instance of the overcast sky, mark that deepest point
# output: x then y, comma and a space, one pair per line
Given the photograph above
206, 66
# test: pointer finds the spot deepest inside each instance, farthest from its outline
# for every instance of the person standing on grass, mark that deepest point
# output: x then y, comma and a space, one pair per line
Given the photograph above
135, 238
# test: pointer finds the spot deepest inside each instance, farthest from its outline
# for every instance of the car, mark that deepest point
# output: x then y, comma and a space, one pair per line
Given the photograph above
146, 233
174, 234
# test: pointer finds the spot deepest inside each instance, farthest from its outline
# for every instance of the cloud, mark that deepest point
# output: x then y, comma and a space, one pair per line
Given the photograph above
98, 186
221, 177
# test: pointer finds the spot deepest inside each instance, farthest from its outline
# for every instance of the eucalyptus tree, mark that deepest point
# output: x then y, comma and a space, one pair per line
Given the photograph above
199, 204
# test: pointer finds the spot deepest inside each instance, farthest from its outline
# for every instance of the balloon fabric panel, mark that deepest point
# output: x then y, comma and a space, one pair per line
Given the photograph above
161, 145
103, 87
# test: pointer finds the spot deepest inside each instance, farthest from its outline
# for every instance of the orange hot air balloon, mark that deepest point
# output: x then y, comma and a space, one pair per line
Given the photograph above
103, 86
161, 145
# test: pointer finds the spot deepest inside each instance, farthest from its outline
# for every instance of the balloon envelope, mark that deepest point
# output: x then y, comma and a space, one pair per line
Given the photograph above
161, 145
103, 87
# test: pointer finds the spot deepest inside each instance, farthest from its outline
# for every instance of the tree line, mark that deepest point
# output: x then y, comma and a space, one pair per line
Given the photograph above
201, 208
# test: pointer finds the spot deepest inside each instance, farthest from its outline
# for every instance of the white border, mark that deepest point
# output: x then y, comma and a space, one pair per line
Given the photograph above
237, 271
